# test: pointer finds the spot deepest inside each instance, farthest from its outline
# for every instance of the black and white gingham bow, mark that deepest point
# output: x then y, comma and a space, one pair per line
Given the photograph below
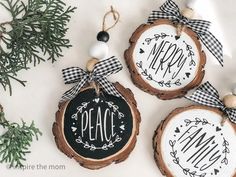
207, 95
101, 70
170, 10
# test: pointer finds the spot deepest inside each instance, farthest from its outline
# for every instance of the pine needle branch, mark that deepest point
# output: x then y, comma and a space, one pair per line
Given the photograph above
37, 31
15, 142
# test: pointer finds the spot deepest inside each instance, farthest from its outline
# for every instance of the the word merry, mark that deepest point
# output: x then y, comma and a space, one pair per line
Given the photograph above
167, 57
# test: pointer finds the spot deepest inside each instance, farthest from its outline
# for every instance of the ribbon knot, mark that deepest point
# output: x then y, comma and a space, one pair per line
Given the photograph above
91, 78
183, 20
207, 95
170, 11
101, 70
223, 109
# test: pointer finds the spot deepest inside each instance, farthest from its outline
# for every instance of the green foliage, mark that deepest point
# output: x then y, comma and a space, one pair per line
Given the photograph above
15, 142
38, 26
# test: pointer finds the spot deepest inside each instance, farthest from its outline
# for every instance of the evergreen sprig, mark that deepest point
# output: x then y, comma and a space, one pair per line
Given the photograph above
37, 29
15, 142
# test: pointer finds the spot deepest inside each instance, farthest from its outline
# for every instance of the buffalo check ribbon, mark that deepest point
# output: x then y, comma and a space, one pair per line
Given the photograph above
207, 95
170, 10
101, 70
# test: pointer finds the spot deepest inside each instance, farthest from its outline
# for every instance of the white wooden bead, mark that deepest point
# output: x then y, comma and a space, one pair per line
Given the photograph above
234, 89
191, 3
99, 50
188, 13
90, 64
230, 101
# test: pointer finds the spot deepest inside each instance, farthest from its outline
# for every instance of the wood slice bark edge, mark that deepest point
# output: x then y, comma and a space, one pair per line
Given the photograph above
136, 77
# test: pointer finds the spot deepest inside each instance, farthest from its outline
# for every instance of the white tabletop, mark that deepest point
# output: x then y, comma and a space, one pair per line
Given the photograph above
39, 99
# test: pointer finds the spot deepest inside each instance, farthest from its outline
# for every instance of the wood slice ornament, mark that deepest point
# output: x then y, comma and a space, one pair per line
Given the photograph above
97, 130
192, 141
98, 121
165, 56
162, 63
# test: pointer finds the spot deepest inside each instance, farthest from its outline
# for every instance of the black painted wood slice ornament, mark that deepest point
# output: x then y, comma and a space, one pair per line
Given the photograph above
191, 141
165, 56
97, 121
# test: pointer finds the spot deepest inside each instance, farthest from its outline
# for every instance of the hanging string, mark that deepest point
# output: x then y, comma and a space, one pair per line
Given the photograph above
188, 12
223, 120
96, 87
116, 17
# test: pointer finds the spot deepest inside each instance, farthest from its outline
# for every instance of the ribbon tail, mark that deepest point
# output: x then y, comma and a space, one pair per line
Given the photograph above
232, 115
109, 87
213, 45
199, 26
208, 88
70, 94
206, 99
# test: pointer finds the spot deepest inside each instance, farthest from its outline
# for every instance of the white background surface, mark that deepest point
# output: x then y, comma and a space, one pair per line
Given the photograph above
38, 100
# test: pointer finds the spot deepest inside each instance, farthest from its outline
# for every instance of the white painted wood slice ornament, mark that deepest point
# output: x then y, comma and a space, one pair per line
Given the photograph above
192, 142
165, 56
162, 63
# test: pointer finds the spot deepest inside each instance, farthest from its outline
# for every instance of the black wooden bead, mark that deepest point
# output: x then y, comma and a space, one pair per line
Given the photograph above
103, 36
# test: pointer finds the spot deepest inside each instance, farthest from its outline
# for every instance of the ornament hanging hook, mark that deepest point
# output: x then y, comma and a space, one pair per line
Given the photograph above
223, 120
116, 17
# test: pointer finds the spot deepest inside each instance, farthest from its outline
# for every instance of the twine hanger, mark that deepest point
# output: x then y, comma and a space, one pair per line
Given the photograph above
116, 17
187, 12
92, 62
